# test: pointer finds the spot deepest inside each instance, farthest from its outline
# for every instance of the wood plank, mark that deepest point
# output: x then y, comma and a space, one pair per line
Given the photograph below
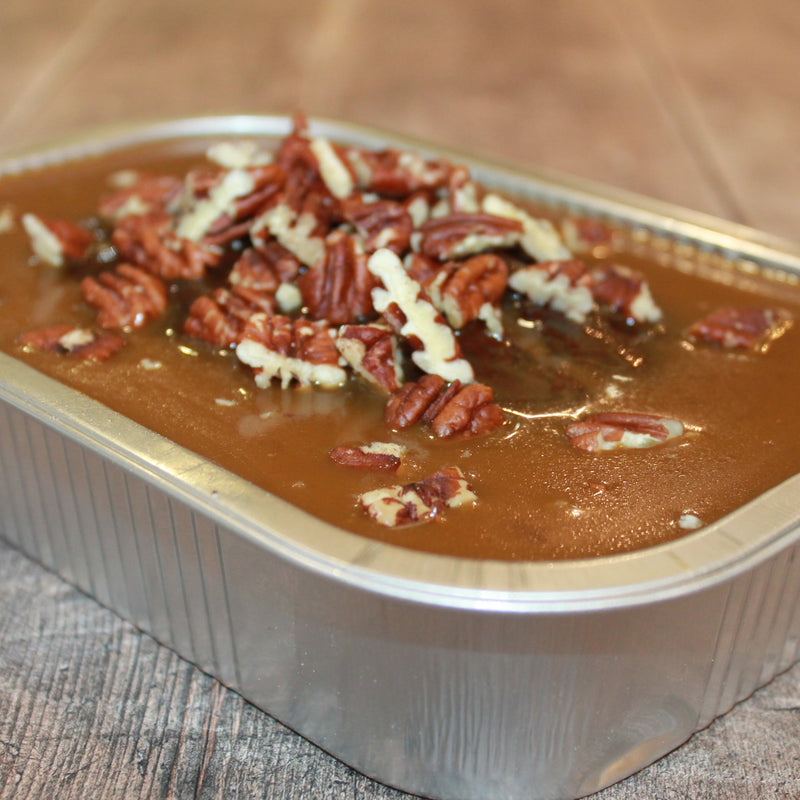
38, 42
729, 72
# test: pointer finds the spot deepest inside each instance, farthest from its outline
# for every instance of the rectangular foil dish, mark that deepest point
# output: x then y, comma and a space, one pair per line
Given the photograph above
441, 676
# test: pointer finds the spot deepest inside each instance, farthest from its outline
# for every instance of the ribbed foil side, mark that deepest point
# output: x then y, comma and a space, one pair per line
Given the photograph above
151, 559
758, 636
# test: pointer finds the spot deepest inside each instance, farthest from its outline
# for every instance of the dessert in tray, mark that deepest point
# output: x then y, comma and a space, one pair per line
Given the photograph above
414, 356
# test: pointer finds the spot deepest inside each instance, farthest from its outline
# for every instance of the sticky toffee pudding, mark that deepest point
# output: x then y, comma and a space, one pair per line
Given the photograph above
382, 341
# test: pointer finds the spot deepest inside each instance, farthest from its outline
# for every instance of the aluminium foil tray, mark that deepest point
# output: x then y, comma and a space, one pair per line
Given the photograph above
444, 677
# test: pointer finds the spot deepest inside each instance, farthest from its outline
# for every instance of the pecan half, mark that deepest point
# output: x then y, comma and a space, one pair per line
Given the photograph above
378, 456
449, 409
220, 318
564, 286
612, 430
339, 286
467, 290
73, 341
290, 350
420, 501
126, 298
459, 234
371, 351
745, 328
56, 241
625, 291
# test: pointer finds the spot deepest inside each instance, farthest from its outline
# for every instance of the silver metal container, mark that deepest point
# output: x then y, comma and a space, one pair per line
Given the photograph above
440, 676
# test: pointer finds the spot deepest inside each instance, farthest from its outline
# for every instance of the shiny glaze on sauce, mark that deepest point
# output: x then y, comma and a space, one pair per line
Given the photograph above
539, 498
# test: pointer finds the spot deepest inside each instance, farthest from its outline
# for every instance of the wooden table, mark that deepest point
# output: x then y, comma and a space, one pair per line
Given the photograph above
697, 103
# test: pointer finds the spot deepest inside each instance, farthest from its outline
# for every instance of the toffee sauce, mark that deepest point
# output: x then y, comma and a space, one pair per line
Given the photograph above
538, 497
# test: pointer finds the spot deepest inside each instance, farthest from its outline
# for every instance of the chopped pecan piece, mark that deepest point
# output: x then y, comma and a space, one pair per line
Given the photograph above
140, 194
220, 318
565, 286
420, 501
302, 234
339, 286
149, 242
73, 341
438, 352
219, 211
56, 241
378, 456
463, 194
290, 350
306, 192
449, 409
239, 153
539, 238
381, 223
746, 328
459, 234
126, 298
334, 169
587, 235
468, 290
371, 350
624, 291
613, 430
265, 267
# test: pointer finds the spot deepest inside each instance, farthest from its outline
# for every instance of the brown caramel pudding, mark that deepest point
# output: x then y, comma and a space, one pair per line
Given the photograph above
539, 496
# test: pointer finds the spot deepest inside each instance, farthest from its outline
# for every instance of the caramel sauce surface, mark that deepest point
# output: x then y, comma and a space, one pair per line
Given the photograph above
538, 497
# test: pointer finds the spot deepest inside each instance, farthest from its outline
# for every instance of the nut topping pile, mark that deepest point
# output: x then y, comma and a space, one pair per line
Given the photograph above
322, 264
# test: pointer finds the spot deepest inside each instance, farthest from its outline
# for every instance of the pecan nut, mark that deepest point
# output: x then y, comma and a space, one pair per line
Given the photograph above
469, 290
277, 347
396, 173
264, 268
377, 456
746, 328
127, 298
148, 241
564, 286
73, 341
371, 351
380, 223
449, 409
612, 430
625, 292
419, 501
459, 234
56, 241
587, 235
402, 298
140, 193
220, 318
339, 286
